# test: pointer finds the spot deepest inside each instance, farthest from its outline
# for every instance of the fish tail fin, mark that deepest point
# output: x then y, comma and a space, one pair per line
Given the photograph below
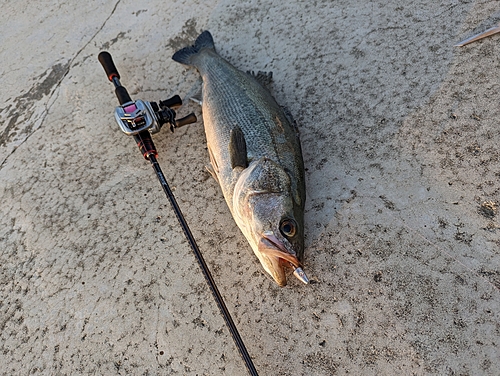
185, 55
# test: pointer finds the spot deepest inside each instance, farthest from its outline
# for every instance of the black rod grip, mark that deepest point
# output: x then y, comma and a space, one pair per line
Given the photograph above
122, 95
107, 63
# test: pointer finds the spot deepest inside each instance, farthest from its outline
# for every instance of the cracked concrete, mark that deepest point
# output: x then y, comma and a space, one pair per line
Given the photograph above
399, 132
25, 113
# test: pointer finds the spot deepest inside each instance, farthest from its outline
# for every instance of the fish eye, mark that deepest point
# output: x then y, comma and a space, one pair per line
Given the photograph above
288, 227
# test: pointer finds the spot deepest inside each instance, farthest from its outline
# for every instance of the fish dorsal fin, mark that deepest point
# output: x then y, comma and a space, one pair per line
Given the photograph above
238, 148
264, 78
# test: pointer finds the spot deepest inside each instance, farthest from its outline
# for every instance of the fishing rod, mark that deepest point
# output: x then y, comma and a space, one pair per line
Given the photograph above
141, 119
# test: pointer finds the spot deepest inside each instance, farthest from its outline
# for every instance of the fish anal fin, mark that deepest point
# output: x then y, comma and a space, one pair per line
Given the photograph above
195, 93
238, 148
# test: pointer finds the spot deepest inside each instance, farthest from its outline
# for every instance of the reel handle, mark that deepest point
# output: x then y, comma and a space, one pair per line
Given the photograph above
107, 63
173, 102
191, 118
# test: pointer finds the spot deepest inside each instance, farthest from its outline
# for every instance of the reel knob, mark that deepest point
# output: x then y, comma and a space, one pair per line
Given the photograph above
189, 119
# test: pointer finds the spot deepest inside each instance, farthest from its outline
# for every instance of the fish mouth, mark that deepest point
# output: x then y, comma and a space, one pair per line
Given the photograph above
278, 256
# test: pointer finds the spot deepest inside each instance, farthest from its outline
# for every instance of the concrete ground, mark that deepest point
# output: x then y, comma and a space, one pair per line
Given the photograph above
400, 132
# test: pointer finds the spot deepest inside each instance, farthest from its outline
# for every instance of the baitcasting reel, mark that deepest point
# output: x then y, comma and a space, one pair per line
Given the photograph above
137, 116
134, 117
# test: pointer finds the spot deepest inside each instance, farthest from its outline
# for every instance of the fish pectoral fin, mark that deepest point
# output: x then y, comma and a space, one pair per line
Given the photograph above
263, 78
238, 149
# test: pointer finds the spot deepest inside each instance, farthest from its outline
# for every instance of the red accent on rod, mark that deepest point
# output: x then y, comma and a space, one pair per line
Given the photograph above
113, 75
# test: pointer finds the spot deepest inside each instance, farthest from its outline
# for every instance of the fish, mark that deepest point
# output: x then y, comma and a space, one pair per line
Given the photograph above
255, 156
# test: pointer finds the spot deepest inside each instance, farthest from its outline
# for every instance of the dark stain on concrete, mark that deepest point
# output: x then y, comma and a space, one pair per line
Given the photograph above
187, 37
106, 45
22, 108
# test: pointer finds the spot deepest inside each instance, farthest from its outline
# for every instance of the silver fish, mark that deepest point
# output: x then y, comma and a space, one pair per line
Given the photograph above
255, 156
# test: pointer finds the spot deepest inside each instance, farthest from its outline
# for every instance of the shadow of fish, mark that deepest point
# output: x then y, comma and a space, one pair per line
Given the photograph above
255, 156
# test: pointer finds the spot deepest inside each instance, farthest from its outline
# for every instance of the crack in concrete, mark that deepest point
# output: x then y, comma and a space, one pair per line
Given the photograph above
49, 86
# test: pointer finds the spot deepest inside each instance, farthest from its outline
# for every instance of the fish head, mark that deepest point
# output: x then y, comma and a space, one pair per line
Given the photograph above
270, 218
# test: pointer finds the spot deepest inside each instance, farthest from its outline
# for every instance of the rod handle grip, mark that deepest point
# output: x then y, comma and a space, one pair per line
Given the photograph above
107, 63
122, 95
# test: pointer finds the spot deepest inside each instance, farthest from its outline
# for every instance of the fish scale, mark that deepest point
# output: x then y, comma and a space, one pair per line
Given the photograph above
243, 123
